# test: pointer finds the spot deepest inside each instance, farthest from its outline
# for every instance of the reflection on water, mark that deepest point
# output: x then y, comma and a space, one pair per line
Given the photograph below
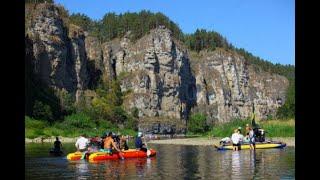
171, 162
235, 167
82, 170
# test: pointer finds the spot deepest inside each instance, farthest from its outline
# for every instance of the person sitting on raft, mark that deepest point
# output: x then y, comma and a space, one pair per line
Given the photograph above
247, 128
225, 141
123, 143
57, 145
246, 139
109, 144
139, 144
235, 138
94, 144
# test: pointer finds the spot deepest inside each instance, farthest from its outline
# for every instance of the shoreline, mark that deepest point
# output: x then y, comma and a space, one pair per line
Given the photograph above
50, 140
209, 141
196, 141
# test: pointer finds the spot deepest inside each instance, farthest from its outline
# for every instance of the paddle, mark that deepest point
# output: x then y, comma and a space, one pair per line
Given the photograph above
121, 155
148, 151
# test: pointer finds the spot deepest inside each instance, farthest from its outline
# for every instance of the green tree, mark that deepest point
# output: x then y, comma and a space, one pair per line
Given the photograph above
82, 21
197, 123
78, 120
107, 105
68, 103
42, 111
287, 110
38, 1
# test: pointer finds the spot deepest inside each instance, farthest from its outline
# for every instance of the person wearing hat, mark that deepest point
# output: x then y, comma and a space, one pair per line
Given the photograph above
239, 129
139, 144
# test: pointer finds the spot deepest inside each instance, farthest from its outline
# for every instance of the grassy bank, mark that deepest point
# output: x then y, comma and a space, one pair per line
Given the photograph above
274, 128
37, 128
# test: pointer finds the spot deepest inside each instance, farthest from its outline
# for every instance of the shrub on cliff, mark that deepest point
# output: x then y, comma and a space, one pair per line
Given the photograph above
287, 111
34, 123
197, 123
78, 120
131, 123
42, 111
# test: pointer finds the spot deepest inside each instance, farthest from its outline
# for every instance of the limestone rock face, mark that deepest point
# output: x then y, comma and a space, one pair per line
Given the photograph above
60, 55
78, 59
157, 75
50, 48
228, 88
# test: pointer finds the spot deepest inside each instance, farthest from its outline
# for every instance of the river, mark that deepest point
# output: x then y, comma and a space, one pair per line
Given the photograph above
171, 162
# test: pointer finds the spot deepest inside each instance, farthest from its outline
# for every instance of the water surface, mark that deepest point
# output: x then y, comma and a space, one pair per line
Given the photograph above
171, 162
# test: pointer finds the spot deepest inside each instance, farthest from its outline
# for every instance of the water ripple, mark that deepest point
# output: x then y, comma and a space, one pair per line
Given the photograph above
172, 162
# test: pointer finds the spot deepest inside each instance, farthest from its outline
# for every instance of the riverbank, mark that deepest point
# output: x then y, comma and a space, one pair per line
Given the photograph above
198, 141
51, 140
290, 141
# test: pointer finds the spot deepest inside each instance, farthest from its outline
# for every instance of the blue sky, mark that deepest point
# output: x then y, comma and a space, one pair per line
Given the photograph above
266, 28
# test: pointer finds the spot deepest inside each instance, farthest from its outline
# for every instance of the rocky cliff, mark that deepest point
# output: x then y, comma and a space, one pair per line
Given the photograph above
159, 77
60, 56
228, 88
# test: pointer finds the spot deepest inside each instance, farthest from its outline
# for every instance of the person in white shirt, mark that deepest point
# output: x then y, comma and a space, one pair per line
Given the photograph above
235, 138
82, 143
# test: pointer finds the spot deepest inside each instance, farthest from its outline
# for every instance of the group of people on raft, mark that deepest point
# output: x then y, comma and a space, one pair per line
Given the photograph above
237, 138
108, 143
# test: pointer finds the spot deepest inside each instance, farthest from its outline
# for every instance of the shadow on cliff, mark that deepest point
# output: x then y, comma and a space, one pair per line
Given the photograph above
187, 89
35, 89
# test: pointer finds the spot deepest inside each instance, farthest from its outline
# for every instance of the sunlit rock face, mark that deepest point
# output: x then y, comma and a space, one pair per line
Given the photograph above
228, 88
158, 76
60, 55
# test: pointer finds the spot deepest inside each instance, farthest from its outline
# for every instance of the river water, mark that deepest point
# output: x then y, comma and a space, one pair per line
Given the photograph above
171, 162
